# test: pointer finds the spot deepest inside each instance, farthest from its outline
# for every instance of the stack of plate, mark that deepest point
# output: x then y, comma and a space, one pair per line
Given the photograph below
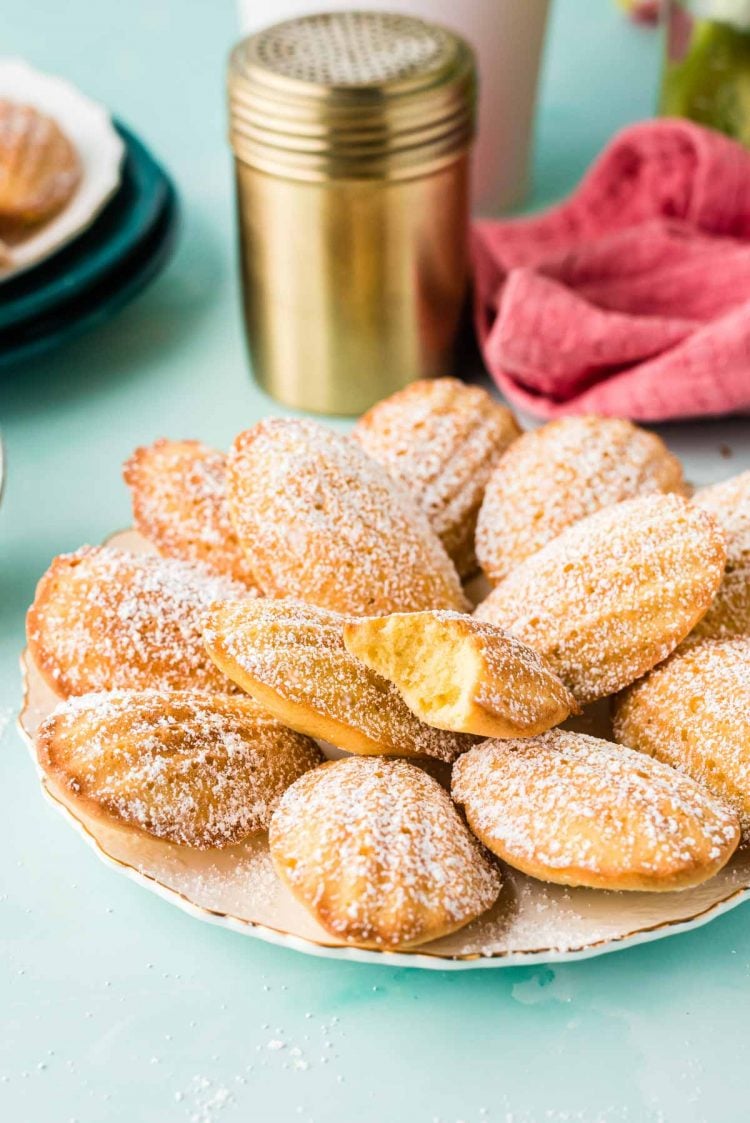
109, 242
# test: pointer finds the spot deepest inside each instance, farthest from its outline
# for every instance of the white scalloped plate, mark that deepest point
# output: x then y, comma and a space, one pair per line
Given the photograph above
88, 126
238, 889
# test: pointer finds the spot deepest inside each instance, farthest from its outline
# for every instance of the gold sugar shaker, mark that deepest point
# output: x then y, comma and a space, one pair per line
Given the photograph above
351, 133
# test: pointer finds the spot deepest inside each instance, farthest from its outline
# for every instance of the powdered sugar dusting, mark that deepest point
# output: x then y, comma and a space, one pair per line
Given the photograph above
729, 503
297, 651
567, 806
199, 769
103, 618
556, 475
378, 852
694, 713
508, 680
179, 498
441, 439
237, 887
613, 595
324, 522
517, 681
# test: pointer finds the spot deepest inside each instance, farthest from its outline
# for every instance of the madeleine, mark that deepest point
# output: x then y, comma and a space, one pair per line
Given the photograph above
378, 854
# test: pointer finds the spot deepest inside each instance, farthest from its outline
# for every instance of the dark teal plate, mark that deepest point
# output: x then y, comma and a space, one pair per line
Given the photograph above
118, 233
79, 313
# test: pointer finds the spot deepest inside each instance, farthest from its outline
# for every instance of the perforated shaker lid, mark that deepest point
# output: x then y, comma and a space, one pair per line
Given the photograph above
363, 94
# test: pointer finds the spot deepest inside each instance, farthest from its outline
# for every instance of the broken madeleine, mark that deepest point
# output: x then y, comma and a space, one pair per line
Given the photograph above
456, 673
291, 658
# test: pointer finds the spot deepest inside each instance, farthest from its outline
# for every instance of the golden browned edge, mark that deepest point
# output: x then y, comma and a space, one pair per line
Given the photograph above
251, 924
480, 711
665, 885
274, 702
416, 950
296, 715
400, 949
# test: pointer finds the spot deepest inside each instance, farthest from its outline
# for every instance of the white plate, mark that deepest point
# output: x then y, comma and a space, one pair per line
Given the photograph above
238, 889
100, 148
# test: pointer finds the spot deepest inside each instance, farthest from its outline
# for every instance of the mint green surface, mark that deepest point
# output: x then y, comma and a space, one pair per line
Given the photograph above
117, 1007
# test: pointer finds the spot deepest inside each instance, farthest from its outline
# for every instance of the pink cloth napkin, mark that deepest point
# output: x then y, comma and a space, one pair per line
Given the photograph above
632, 298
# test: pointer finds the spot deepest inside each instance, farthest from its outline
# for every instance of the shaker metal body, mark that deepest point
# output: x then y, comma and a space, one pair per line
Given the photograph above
353, 197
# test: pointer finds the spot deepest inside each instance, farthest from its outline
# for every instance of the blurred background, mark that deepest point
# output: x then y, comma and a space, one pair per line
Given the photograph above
120, 1008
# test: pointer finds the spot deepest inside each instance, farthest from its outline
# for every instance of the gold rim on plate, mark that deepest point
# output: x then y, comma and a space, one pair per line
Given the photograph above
237, 888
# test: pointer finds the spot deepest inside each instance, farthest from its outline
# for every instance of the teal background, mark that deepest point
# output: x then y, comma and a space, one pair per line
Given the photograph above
117, 1006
